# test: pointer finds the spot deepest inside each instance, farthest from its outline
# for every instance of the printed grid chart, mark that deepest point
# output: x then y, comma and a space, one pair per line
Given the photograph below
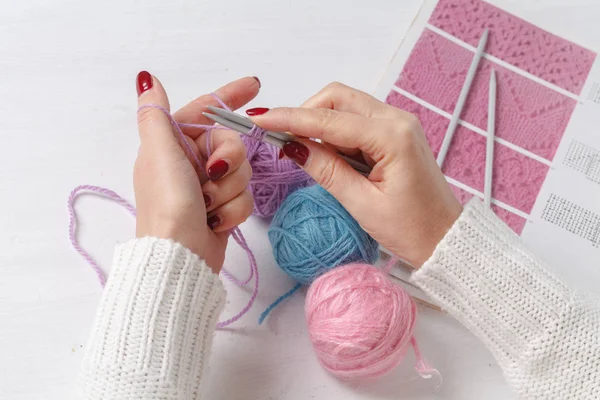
584, 159
573, 218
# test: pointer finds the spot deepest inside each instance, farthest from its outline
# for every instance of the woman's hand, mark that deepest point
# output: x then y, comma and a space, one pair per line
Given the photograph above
405, 204
175, 198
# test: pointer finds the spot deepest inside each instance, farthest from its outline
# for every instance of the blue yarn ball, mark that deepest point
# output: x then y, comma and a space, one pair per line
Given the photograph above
312, 233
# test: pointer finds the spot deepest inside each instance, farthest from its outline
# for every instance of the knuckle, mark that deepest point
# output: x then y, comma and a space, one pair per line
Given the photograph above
328, 173
246, 169
247, 206
413, 123
335, 86
234, 142
146, 116
404, 134
287, 114
327, 120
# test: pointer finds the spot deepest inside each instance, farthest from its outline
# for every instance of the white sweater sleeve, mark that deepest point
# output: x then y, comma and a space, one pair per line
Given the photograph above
155, 325
545, 336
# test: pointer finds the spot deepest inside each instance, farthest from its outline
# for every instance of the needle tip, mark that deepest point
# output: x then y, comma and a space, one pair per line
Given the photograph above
485, 34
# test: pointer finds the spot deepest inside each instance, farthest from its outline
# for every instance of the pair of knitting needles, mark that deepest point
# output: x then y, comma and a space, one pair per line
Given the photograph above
462, 97
244, 125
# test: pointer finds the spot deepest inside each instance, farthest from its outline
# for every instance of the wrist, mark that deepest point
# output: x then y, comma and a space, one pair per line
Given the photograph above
441, 224
171, 230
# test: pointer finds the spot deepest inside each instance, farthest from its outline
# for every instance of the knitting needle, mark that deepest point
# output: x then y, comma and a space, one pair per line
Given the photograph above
247, 122
417, 300
462, 97
491, 133
357, 165
242, 129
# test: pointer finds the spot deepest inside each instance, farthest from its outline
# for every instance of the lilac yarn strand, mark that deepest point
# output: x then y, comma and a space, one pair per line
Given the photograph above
238, 236
256, 134
107, 193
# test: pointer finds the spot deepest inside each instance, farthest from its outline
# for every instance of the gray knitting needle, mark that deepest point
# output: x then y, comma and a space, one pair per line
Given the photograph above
247, 122
225, 119
491, 133
462, 97
243, 129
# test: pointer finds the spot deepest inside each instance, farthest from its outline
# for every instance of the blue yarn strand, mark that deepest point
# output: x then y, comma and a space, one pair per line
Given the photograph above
281, 298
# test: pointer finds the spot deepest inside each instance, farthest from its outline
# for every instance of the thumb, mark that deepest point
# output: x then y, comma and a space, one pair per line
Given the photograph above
332, 172
153, 122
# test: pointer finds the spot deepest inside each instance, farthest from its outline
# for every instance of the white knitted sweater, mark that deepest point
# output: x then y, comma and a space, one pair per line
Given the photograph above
157, 316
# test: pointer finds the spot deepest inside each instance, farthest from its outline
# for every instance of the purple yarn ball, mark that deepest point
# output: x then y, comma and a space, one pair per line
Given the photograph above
272, 179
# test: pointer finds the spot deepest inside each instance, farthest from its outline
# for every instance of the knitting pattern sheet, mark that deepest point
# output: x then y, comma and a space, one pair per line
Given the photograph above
546, 171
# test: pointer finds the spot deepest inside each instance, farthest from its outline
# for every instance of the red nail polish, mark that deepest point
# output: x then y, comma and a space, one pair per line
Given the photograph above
297, 152
281, 154
218, 170
213, 221
256, 111
144, 82
257, 80
207, 200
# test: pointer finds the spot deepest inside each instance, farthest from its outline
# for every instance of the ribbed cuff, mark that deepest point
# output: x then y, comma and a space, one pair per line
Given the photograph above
154, 326
482, 274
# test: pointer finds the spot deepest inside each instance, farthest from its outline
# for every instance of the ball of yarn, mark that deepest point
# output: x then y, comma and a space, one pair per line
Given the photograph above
272, 179
360, 323
312, 233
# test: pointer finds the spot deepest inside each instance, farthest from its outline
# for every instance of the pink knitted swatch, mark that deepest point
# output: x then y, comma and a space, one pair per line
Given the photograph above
515, 222
517, 179
528, 114
516, 41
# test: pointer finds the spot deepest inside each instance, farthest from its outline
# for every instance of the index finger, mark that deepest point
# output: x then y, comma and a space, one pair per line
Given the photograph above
337, 128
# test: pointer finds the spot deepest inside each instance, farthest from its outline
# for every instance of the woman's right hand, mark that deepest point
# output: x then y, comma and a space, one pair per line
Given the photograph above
405, 203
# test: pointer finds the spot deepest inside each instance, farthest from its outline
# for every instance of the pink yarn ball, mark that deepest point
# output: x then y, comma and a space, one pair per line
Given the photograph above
360, 323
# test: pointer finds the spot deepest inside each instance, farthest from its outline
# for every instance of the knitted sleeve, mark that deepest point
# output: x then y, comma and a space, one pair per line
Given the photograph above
545, 336
154, 326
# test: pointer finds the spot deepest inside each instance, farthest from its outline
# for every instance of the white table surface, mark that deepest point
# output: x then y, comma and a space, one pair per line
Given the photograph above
67, 117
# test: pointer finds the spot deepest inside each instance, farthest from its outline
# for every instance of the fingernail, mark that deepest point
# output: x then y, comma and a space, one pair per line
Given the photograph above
144, 82
207, 200
213, 221
257, 80
256, 111
281, 154
218, 170
297, 152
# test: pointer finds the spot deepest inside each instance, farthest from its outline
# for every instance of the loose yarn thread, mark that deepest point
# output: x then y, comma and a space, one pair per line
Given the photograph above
313, 233
236, 233
109, 194
360, 323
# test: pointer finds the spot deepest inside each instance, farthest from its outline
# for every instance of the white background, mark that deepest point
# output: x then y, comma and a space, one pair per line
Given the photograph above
67, 117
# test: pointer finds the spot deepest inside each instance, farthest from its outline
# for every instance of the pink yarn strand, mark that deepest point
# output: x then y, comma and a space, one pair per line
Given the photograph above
236, 233
388, 267
422, 367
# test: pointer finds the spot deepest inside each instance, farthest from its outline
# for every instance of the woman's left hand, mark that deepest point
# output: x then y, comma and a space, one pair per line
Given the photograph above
177, 199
